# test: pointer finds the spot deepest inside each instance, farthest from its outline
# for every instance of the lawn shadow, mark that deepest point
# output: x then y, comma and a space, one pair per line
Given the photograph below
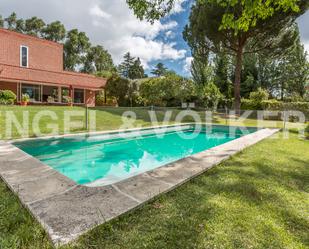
183, 217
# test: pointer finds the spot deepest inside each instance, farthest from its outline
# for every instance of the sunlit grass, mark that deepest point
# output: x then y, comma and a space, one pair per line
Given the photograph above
112, 119
257, 199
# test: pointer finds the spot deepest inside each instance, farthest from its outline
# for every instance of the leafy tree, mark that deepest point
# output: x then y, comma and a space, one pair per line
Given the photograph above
125, 67
117, 87
132, 91
152, 92
105, 74
249, 75
294, 71
98, 59
54, 31
222, 71
11, 21
233, 24
20, 26
286, 75
159, 70
136, 71
239, 15
1, 22
185, 90
75, 47
34, 26
211, 95
131, 68
205, 28
170, 90
201, 70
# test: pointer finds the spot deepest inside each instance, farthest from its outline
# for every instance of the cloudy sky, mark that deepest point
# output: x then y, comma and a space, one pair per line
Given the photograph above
112, 24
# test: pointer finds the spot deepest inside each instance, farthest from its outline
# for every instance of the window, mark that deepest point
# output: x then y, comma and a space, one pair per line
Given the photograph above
79, 96
23, 56
33, 91
50, 94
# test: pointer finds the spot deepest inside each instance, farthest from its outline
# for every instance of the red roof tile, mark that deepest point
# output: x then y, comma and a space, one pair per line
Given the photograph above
20, 74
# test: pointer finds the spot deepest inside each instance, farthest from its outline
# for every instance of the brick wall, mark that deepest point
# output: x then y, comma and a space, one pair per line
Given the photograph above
43, 54
9, 86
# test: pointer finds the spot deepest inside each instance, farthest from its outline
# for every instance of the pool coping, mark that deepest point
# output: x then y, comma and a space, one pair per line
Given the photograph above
67, 210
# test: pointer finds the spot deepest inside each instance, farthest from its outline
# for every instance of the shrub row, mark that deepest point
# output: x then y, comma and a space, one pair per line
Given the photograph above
275, 105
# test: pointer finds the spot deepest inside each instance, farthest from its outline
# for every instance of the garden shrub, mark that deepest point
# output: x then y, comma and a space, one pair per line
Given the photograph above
247, 104
259, 95
275, 105
7, 97
271, 104
255, 100
170, 90
100, 99
211, 96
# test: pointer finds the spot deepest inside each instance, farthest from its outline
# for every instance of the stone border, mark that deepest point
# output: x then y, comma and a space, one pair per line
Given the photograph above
67, 210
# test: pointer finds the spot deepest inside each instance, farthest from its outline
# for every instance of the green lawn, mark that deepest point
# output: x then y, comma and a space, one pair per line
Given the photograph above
111, 118
257, 199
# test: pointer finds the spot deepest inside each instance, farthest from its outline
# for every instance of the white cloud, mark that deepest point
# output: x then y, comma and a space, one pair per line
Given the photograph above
187, 64
169, 34
124, 32
107, 22
146, 50
178, 6
97, 11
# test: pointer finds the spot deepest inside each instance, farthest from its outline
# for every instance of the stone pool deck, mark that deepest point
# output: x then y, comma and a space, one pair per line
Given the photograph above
67, 210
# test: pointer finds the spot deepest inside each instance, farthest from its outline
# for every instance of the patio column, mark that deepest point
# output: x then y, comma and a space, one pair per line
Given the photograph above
59, 94
71, 93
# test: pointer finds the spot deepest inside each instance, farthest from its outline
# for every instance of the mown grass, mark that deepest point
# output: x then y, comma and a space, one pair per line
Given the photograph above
257, 199
110, 119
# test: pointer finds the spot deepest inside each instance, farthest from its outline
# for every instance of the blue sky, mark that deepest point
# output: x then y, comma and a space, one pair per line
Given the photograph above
112, 24
181, 19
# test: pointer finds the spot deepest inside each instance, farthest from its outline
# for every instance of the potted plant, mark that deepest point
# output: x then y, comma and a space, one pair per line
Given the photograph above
24, 99
68, 100
50, 99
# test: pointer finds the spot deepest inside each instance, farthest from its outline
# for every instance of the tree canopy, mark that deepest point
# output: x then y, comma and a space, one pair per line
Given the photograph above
75, 47
131, 67
98, 59
159, 70
54, 31
234, 26
251, 11
204, 32
117, 87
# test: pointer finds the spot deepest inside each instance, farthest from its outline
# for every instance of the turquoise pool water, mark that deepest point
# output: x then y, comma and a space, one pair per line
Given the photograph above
105, 160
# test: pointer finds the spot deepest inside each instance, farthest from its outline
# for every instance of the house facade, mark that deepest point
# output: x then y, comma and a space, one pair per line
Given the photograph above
34, 66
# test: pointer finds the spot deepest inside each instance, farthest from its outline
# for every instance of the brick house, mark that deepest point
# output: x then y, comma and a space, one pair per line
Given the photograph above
34, 66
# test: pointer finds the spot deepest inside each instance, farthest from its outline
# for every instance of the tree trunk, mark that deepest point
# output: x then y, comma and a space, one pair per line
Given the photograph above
239, 58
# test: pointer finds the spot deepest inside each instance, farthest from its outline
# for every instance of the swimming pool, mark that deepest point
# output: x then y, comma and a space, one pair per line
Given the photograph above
104, 159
